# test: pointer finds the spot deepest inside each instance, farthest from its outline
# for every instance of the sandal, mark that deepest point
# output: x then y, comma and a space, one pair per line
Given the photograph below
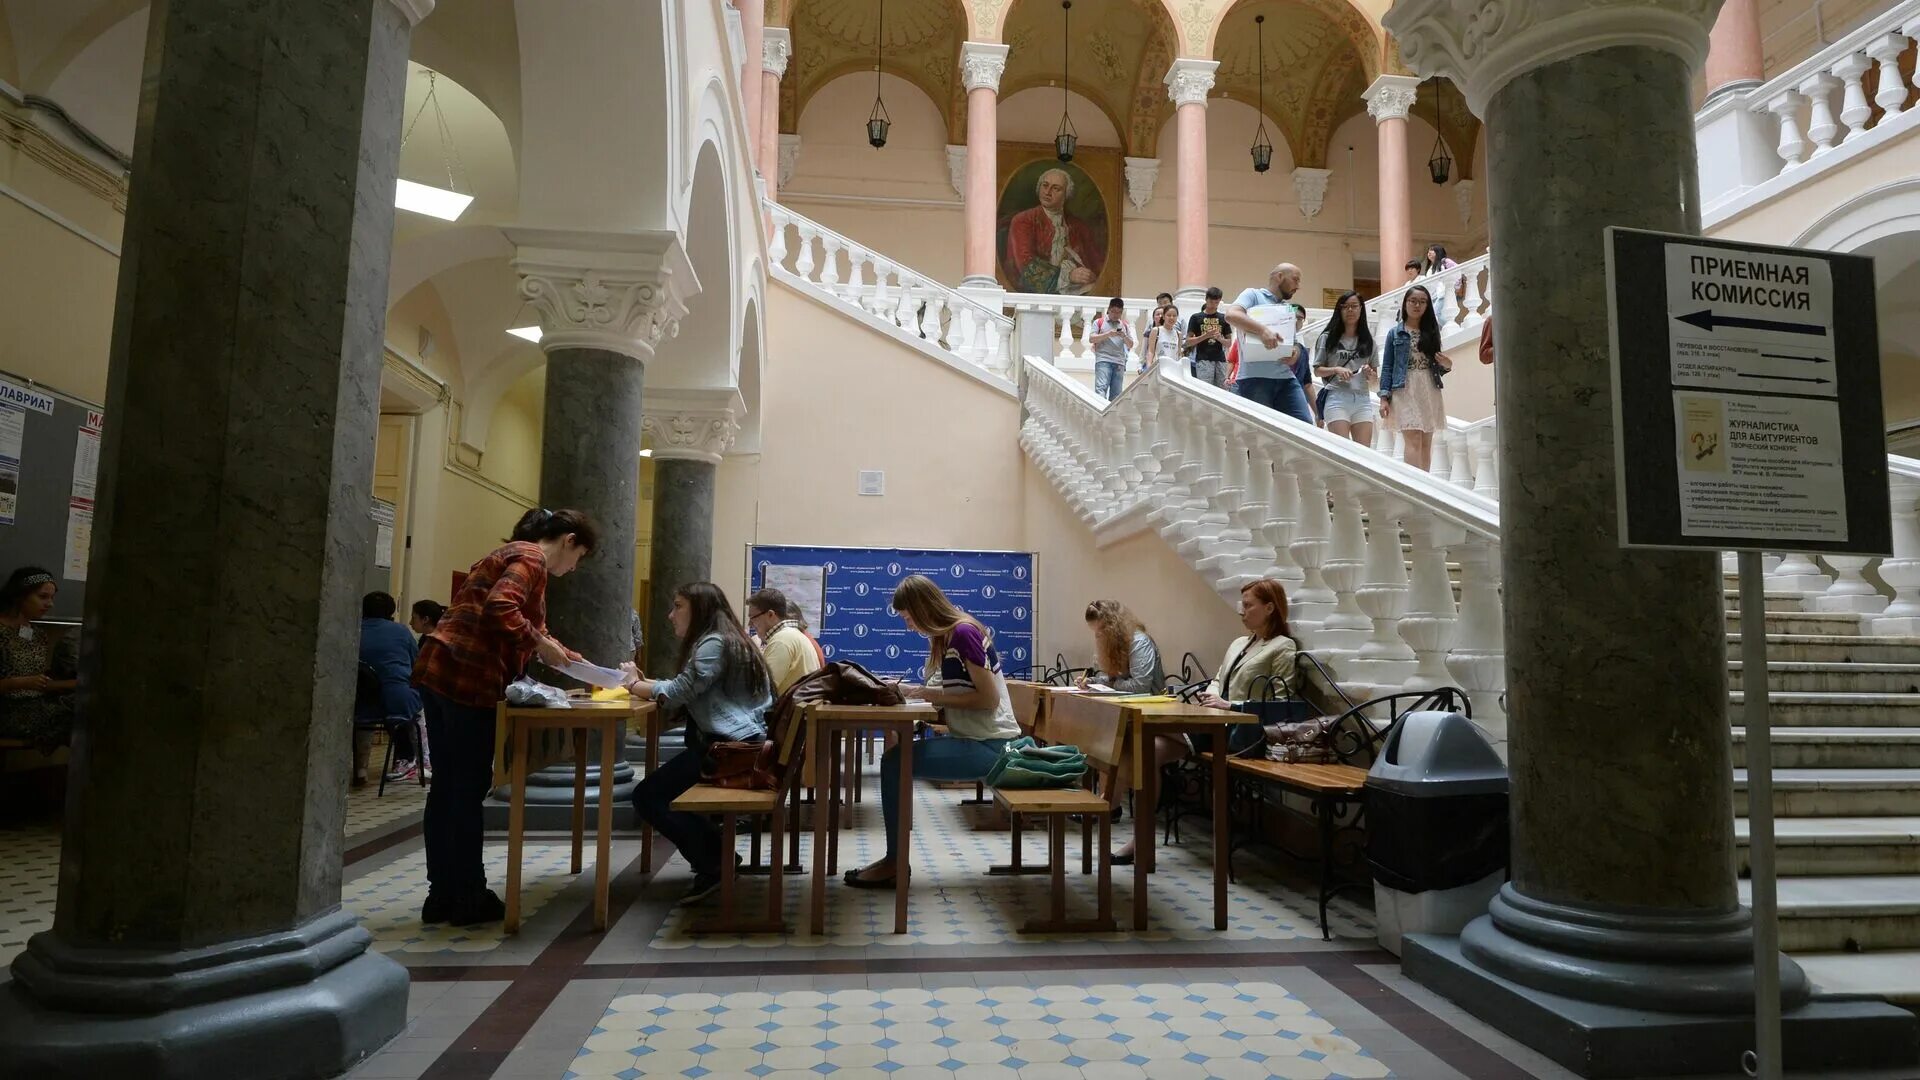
854, 880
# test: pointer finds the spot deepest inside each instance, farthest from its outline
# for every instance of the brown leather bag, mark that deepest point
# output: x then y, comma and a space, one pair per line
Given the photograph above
755, 766
744, 765
1486, 342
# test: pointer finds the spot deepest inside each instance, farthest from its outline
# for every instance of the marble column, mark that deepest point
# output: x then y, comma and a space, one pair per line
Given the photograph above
689, 432
753, 30
1735, 58
776, 47
1619, 943
605, 300
1389, 100
980, 66
1188, 81
198, 924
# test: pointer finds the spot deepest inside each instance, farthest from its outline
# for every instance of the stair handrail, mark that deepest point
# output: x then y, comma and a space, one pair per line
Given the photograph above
1902, 19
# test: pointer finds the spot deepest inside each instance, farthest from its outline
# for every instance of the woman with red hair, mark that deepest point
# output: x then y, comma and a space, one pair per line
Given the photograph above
1266, 651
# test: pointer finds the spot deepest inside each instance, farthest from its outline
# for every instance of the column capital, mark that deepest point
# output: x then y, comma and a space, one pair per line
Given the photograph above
1142, 174
621, 292
776, 47
414, 10
789, 157
692, 425
981, 64
1485, 46
1310, 188
1391, 97
1189, 79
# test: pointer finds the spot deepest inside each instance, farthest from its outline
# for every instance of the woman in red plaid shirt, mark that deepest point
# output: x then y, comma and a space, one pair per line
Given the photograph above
497, 623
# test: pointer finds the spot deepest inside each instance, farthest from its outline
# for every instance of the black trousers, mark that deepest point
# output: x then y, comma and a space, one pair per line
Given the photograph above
462, 739
694, 835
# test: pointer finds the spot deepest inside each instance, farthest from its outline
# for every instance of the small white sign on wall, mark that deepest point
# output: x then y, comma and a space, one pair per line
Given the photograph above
873, 482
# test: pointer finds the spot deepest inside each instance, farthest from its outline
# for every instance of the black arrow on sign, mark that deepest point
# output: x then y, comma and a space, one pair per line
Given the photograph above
1706, 320
1785, 378
1790, 356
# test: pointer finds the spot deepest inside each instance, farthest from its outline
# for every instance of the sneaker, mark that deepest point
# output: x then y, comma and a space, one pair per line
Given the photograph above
704, 885
402, 771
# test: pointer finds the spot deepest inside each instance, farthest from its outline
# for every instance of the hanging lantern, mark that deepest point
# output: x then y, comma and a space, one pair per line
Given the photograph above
1440, 163
878, 121
1065, 139
1262, 145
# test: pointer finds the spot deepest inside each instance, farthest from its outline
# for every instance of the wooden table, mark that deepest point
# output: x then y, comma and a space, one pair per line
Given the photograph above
827, 723
516, 723
1170, 718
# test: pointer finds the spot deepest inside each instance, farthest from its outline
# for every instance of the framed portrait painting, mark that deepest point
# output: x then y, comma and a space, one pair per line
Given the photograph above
1058, 223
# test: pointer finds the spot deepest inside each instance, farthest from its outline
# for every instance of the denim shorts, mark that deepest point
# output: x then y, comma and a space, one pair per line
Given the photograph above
1349, 405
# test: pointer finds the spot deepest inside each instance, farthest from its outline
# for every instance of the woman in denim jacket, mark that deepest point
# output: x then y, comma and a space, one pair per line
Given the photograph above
1411, 377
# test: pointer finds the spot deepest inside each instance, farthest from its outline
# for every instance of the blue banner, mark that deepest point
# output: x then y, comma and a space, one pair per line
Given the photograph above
856, 622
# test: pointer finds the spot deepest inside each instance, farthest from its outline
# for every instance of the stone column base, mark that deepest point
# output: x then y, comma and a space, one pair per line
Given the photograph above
304, 1002
550, 799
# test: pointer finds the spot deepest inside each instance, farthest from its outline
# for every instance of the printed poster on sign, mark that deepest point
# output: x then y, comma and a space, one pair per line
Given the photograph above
13, 428
1752, 465
1750, 322
802, 585
79, 538
86, 458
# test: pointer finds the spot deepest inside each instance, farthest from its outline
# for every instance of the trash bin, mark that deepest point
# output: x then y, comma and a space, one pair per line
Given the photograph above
1436, 826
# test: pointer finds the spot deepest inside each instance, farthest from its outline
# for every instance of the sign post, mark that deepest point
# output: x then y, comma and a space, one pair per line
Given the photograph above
1747, 418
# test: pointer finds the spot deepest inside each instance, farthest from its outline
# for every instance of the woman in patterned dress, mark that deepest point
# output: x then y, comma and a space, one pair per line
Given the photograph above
1411, 377
38, 668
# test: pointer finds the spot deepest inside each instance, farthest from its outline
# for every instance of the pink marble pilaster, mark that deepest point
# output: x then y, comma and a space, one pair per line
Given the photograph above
1389, 100
981, 64
1735, 57
753, 25
1187, 84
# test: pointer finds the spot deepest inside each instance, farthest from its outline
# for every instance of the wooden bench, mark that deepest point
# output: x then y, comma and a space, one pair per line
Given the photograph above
1327, 787
729, 804
1103, 740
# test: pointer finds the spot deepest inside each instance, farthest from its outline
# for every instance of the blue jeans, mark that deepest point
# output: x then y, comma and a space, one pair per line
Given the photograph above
1280, 395
1108, 378
945, 758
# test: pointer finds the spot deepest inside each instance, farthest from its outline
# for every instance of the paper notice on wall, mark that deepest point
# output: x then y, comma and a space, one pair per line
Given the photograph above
9, 491
1760, 466
383, 516
803, 585
86, 462
13, 427
79, 538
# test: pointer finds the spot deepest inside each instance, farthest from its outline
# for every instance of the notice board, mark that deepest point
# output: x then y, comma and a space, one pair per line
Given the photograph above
847, 595
49, 464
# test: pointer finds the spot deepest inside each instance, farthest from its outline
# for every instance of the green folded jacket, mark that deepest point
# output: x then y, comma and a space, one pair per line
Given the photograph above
1024, 764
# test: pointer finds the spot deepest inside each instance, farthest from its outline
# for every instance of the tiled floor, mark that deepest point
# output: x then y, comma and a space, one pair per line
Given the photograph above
29, 878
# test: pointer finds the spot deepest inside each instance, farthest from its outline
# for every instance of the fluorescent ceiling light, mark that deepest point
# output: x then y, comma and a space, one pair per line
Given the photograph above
648, 452
531, 333
432, 201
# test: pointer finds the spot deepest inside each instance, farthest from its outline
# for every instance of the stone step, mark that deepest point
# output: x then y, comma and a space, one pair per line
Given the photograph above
1893, 974
1838, 748
1828, 623
1812, 847
1814, 677
1847, 913
1837, 793
1854, 710
1776, 601
1835, 648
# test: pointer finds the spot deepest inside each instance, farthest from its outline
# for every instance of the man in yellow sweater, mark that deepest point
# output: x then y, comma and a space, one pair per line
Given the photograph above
789, 654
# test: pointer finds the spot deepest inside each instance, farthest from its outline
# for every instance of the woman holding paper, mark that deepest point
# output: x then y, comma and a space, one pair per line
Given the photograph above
726, 690
497, 623
1128, 660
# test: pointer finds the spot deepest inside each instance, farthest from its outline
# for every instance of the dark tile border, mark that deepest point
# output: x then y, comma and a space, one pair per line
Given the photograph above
369, 848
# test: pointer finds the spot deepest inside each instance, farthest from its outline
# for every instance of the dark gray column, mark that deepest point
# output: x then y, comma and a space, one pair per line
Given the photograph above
682, 547
590, 460
198, 931
1619, 947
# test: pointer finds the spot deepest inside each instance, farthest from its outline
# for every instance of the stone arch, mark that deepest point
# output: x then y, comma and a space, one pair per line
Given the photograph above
1365, 35
1881, 212
704, 351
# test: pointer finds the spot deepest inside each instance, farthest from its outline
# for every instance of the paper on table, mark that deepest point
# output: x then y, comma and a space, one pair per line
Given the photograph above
592, 674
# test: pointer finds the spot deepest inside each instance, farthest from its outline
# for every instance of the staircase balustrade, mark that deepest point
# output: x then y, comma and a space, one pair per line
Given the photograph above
1057, 327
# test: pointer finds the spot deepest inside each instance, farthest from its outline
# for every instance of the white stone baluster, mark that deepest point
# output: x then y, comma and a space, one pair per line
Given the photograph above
855, 289
999, 358
1146, 462
1256, 507
1891, 93
830, 246
1382, 435
1792, 147
1850, 590
1283, 516
1854, 110
1132, 447
907, 314
930, 326
1212, 477
1440, 457
1385, 661
1344, 629
1797, 574
1312, 535
1478, 659
777, 244
960, 331
1821, 127
1429, 622
1470, 304
804, 265
1230, 546
1460, 458
1486, 462
1902, 572
881, 302
1064, 355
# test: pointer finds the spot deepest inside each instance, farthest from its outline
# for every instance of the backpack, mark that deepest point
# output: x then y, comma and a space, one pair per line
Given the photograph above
757, 766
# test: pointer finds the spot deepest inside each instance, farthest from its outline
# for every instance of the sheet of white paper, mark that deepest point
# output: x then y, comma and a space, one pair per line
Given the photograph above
592, 674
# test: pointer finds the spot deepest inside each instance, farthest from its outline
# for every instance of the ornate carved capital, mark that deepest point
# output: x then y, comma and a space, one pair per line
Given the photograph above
1188, 80
617, 291
776, 48
1391, 97
1484, 44
981, 64
957, 169
414, 10
691, 425
789, 157
1310, 188
1142, 174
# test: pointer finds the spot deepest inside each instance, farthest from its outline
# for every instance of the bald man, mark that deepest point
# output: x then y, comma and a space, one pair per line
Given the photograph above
1265, 316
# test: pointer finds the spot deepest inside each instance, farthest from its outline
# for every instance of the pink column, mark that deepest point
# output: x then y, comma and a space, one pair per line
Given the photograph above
1735, 58
777, 46
980, 66
753, 23
1188, 81
1389, 100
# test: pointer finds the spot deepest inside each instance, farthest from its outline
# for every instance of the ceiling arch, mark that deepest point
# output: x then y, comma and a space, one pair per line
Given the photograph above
1121, 50
1317, 57
832, 38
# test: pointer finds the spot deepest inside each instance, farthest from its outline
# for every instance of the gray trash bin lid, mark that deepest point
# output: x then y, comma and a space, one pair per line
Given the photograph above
1437, 754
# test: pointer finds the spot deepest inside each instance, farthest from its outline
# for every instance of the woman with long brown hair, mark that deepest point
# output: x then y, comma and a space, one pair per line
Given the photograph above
1127, 659
963, 678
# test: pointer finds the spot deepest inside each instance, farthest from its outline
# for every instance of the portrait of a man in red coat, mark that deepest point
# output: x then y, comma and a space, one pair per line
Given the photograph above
1047, 249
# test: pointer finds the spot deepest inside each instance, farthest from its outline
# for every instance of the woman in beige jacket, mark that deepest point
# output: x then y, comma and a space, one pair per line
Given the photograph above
1267, 650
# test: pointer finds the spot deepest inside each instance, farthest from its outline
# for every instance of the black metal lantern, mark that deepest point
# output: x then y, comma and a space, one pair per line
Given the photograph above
1440, 163
1262, 145
878, 121
1065, 139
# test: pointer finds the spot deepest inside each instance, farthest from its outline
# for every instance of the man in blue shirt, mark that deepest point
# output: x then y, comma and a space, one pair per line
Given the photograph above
389, 649
1264, 317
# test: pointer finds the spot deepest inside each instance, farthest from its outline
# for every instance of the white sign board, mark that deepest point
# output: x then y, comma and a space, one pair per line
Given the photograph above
1748, 321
